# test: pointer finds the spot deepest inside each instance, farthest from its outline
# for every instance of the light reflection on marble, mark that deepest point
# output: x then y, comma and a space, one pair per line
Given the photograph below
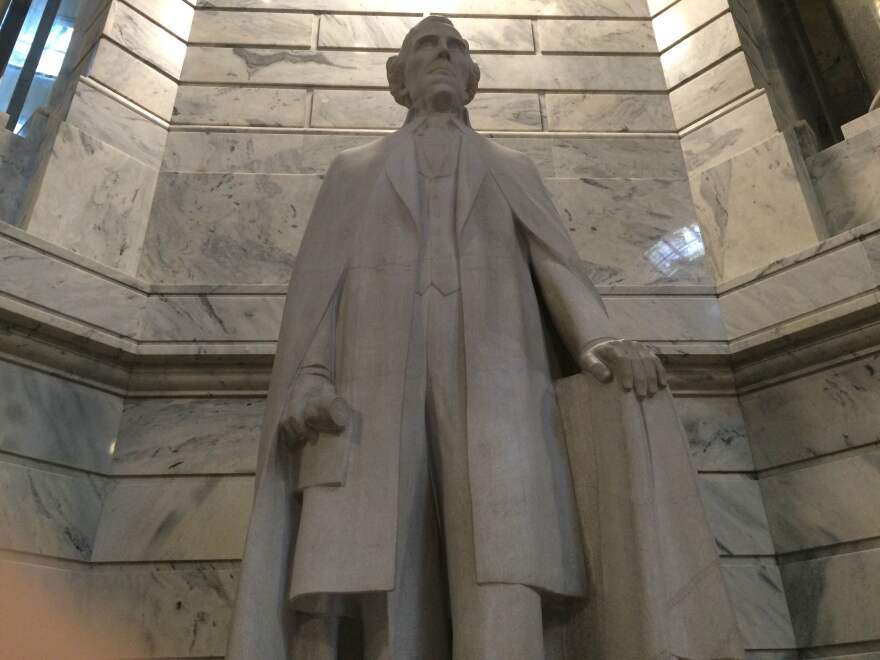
716, 433
818, 414
145, 39
52, 419
859, 124
176, 16
49, 511
105, 118
135, 80
618, 158
239, 106
723, 83
264, 28
595, 36
739, 201
755, 588
609, 112
166, 436
685, 17
225, 228
367, 69
174, 518
94, 200
826, 503
700, 50
846, 176
833, 600
620, 225
591, 8
736, 514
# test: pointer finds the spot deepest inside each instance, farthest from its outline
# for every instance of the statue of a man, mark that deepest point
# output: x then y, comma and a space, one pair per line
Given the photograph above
412, 472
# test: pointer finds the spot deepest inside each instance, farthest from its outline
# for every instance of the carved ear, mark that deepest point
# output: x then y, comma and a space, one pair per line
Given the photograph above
473, 82
394, 71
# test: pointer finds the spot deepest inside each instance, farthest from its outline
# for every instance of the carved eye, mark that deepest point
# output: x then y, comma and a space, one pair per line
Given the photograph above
428, 41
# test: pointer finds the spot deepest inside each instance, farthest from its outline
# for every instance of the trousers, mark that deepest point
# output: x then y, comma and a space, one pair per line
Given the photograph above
491, 621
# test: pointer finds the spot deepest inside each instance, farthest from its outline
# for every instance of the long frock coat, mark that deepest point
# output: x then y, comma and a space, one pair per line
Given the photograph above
363, 240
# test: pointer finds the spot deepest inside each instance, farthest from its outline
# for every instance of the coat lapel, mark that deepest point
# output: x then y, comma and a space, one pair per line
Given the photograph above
400, 166
471, 172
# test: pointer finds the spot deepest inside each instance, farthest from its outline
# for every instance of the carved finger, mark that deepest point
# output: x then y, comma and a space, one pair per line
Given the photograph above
640, 379
661, 372
329, 414
598, 369
648, 364
624, 365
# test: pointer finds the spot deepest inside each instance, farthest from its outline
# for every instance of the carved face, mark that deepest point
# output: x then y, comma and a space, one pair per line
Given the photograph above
438, 67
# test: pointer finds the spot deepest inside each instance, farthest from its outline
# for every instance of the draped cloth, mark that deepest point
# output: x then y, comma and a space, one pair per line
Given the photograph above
656, 591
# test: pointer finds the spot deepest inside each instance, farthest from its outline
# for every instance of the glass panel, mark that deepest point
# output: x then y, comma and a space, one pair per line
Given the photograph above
50, 59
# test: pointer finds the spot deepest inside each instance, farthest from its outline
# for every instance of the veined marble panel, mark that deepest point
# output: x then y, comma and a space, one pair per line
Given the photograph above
758, 598
834, 600
110, 121
872, 249
538, 149
387, 32
609, 112
824, 504
710, 44
282, 153
716, 433
727, 135
367, 69
736, 514
176, 16
144, 38
756, 207
618, 158
239, 106
685, 17
174, 518
817, 414
367, 109
48, 418
168, 436
29, 274
665, 318
567, 36
226, 228
592, 8
260, 28
47, 512
632, 231
723, 83
801, 289
208, 318
17, 163
846, 176
94, 200
133, 79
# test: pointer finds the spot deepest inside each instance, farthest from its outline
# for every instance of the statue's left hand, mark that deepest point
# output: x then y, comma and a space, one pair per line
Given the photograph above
630, 363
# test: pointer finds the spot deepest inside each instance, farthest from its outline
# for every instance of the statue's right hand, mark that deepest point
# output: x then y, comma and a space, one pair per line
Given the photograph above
313, 407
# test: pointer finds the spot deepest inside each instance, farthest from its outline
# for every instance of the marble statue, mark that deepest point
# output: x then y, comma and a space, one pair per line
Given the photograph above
413, 473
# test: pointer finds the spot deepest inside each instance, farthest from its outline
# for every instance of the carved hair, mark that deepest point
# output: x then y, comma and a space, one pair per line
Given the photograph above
396, 65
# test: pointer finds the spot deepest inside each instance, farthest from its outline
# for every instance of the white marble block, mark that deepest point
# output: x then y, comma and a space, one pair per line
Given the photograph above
757, 207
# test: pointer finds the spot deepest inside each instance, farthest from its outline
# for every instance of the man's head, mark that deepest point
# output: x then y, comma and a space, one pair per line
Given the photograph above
433, 69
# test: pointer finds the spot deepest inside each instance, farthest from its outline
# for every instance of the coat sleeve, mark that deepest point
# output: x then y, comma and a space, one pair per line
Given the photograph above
319, 359
575, 305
